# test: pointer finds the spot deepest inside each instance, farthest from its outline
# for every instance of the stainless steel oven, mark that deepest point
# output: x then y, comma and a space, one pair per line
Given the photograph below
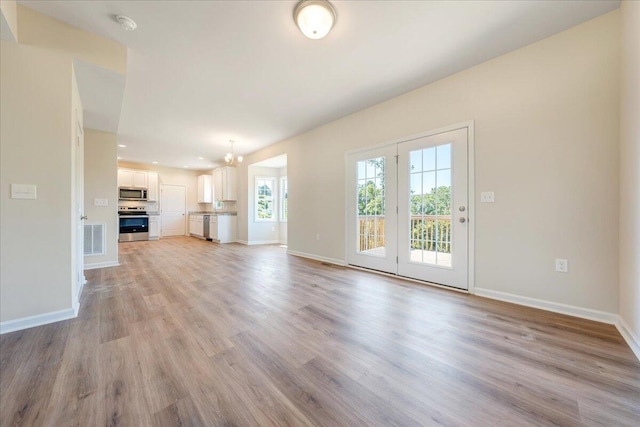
134, 225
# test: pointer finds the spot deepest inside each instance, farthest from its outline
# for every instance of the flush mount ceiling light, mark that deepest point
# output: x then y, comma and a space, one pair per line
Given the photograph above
126, 22
315, 18
230, 159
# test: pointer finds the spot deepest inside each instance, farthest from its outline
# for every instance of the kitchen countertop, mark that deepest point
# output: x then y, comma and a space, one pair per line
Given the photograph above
213, 213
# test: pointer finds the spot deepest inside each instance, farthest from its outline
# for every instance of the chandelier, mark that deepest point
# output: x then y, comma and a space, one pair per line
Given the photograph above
230, 158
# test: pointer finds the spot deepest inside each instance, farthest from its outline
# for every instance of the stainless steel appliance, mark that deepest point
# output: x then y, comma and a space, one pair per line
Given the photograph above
205, 227
134, 223
132, 193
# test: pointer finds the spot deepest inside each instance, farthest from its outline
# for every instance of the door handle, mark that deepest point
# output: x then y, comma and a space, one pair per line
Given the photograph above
83, 217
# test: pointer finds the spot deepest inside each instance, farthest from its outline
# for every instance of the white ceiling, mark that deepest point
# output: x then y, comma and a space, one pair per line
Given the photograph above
201, 73
274, 162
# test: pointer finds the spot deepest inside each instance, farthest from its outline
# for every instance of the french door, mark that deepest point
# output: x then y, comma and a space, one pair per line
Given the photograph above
371, 209
407, 208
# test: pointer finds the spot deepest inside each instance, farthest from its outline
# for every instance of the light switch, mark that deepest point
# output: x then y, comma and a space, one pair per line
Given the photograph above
23, 191
487, 197
101, 202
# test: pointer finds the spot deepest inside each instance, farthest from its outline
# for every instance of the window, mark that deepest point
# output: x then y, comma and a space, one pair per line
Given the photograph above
265, 209
284, 196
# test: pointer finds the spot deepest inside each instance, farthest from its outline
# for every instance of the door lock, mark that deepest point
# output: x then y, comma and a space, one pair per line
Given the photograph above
462, 208
463, 220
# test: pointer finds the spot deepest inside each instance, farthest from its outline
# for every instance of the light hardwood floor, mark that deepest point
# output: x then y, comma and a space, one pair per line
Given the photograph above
189, 333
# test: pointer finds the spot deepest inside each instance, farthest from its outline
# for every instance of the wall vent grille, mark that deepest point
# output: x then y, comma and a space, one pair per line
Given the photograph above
94, 239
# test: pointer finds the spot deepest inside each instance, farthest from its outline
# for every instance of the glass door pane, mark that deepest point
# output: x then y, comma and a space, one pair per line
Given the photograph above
371, 207
372, 227
430, 205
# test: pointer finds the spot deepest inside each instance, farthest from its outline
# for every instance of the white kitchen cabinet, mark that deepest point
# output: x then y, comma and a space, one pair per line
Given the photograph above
222, 228
125, 178
152, 186
154, 227
192, 224
133, 178
196, 226
205, 189
224, 184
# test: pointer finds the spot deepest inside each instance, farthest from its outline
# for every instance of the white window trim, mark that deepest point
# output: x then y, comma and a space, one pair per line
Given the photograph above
274, 198
282, 180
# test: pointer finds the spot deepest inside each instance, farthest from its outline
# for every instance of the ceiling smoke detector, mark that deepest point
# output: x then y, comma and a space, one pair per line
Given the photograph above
126, 22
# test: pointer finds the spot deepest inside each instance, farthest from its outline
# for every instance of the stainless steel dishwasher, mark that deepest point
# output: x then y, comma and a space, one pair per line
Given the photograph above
205, 226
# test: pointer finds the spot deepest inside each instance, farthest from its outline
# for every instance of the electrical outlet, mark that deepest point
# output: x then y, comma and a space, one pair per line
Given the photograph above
273, 229
487, 197
562, 265
318, 236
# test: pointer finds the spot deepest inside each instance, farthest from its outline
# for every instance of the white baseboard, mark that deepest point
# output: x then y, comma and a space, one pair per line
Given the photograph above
629, 336
259, 242
317, 257
571, 310
584, 313
38, 320
101, 265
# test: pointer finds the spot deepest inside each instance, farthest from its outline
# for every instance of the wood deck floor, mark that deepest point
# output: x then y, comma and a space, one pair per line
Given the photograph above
191, 333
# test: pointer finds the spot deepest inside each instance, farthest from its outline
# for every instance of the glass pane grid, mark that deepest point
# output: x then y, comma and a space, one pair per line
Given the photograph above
370, 181
430, 200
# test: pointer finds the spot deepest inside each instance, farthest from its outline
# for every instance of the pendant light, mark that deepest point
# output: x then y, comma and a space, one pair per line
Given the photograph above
230, 158
315, 18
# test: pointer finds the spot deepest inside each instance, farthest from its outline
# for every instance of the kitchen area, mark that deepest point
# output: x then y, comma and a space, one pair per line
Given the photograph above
154, 204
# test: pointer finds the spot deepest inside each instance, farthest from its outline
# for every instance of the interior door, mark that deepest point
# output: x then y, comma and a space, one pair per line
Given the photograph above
433, 210
173, 202
371, 209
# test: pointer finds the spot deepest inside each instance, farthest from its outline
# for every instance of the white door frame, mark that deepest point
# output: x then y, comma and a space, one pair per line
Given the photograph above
78, 213
471, 217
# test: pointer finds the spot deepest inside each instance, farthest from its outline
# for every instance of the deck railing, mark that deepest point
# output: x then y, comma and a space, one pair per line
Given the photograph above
428, 232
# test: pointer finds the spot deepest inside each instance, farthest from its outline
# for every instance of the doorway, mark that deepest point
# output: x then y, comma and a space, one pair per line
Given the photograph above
173, 209
408, 207
268, 201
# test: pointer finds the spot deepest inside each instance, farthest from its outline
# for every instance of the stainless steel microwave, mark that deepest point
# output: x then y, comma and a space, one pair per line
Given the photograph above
132, 193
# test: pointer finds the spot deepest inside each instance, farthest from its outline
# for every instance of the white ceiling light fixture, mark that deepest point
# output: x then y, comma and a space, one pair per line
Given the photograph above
315, 18
127, 23
230, 158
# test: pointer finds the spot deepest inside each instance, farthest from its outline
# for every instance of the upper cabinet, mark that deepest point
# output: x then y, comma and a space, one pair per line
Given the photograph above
141, 179
152, 183
224, 184
205, 189
132, 178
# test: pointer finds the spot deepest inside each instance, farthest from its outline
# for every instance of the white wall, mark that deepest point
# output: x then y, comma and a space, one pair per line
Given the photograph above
546, 134
35, 148
8, 20
630, 168
100, 182
38, 29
